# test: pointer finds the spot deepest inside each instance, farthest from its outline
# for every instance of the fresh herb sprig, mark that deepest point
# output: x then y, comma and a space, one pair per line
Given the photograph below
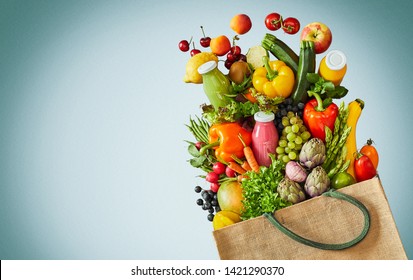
325, 89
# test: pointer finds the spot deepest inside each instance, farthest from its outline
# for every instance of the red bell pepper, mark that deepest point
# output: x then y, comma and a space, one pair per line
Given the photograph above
316, 117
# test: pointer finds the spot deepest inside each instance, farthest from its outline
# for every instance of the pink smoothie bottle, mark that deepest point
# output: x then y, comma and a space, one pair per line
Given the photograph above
264, 137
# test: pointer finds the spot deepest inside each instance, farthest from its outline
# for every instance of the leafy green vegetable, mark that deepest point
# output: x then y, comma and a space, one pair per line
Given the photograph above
325, 89
230, 113
260, 190
268, 104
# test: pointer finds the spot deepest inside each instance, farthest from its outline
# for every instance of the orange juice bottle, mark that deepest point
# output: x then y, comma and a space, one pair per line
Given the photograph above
333, 67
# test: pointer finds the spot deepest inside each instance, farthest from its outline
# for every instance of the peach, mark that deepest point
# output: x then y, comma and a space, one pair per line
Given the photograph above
220, 45
241, 24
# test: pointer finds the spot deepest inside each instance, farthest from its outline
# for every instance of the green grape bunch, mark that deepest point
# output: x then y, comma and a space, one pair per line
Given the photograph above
293, 136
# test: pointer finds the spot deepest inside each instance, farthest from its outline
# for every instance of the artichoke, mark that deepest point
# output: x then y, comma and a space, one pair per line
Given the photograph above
313, 153
317, 182
290, 191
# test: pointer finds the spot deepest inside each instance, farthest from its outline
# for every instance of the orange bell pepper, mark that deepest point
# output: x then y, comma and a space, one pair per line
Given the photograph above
224, 138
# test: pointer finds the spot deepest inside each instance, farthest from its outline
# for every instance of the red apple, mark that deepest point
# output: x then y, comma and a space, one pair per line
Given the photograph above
320, 34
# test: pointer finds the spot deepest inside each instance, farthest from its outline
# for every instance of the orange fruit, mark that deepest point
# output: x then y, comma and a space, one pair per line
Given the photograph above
230, 197
241, 24
220, 45
225, 218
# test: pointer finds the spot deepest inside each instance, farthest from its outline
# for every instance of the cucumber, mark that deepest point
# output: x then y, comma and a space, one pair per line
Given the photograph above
281, 51
306, 65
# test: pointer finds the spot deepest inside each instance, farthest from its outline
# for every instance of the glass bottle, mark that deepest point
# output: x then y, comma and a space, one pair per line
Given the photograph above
264, 137
333, 67
216, 84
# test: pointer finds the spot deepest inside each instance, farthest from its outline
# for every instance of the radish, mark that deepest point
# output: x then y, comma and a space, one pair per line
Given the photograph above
212, 177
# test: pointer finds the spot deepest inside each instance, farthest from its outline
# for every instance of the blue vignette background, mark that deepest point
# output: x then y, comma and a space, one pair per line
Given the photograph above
93, 111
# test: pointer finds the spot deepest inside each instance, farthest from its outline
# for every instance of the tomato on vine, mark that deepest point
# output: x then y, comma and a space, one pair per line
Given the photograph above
273, 21
291, 25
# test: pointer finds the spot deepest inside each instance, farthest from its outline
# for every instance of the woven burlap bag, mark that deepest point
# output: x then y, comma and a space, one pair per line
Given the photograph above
322, 220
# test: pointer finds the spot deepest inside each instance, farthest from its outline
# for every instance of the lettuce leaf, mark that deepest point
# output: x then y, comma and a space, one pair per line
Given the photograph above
260, 190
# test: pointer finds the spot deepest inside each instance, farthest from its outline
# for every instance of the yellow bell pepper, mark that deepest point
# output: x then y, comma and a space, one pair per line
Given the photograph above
275, 79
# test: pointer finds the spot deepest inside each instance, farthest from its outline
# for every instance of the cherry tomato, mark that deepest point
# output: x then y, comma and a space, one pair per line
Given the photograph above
273, 21
364, 168
369, 150
291, 25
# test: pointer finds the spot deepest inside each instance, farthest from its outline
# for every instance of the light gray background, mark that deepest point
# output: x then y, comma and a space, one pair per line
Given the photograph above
93, 107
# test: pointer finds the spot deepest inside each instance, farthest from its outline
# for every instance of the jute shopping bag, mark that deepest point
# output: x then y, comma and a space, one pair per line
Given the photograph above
352, 223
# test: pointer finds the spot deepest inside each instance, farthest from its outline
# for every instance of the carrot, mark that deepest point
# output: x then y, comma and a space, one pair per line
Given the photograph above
236, 167
243, 163
246, 165
249, 156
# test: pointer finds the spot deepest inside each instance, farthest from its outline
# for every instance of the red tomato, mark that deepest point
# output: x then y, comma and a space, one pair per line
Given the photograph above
273, 21
369, 150
364, 168
291, 25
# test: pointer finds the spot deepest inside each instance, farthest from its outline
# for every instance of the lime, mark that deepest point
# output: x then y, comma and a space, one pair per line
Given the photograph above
341, 180
254, 56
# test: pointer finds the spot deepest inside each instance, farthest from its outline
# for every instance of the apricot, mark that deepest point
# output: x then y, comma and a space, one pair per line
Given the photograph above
220, 45
241, 24
225, 218
230, 197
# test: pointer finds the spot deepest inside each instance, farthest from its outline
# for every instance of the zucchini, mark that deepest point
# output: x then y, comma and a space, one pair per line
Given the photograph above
281, 51
306, 65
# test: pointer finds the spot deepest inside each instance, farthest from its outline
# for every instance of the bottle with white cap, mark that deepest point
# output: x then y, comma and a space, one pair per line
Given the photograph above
264, 138
216, 84
333, 67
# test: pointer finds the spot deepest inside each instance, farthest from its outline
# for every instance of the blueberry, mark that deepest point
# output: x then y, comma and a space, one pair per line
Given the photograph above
200, 202
206, 196
207, 205
210, 217
288, 101
198, 189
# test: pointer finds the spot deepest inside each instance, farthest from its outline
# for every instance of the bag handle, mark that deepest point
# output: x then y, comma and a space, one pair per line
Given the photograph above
324, 246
